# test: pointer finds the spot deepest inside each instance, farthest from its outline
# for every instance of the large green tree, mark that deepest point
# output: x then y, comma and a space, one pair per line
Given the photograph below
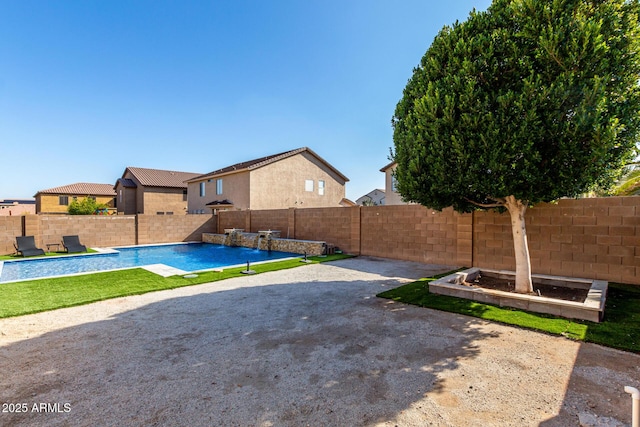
528, 102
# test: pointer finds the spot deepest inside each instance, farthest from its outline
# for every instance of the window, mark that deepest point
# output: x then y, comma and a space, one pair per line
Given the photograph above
394, 184
308, 185
321, 188
63, 200
202, 192
184, 195
219, 186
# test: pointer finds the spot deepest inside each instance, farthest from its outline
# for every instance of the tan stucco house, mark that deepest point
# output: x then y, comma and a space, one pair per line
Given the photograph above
56, 200
152, 191
298, 178
392, 197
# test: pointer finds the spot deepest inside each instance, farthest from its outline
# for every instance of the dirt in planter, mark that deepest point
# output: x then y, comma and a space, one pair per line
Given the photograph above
547, 291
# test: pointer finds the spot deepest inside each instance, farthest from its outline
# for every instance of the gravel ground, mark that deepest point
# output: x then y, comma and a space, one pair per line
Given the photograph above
307, 346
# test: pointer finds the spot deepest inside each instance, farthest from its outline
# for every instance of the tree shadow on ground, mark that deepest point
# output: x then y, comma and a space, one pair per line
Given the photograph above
323, 352
310, 346
586, 381
595, 390
594, 394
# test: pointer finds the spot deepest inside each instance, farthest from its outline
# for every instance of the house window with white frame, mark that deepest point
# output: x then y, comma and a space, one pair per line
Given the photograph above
202, 189
308, 185
219, 186
321, 187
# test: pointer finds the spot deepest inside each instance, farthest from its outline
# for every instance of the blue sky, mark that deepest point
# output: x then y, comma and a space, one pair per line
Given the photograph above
88, 88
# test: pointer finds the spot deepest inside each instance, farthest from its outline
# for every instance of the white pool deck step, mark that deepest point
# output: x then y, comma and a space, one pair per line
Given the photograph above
164, 270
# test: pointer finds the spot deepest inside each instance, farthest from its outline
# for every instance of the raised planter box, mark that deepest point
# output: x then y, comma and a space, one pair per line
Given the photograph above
591, 309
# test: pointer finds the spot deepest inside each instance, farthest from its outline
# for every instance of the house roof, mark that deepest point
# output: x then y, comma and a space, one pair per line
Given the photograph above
384, 169
18, 202
158, 177
127, 183
82, 189
263, 161
347, 203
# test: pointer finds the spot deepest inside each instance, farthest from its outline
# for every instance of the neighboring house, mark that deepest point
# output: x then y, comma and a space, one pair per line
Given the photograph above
297, 178
152, 191
346, 203
373, 198
9, 207
56, 200
392, 197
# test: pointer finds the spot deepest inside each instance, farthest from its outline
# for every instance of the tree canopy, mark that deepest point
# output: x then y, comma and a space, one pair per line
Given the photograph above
527, 102
532, 99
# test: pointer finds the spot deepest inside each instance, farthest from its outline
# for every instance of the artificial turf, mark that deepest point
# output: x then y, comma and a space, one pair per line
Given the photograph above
619, 329
32, 296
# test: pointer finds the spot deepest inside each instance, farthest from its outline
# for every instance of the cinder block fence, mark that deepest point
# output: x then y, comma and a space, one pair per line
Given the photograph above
593, 238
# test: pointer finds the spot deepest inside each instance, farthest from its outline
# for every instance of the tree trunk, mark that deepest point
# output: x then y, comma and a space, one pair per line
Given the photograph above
523, 262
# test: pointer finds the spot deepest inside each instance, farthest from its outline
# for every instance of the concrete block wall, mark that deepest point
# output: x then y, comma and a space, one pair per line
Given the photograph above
105, 231
93, 231
335, 226
174, 228
10, 227
271, 219
415, 233
234, 219
596, 238
31, 227
590, 238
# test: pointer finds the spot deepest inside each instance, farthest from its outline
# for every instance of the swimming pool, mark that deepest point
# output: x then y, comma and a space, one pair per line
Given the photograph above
187, 257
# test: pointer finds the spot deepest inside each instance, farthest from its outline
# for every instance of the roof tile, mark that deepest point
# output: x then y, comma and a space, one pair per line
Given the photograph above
161, 178
82, 189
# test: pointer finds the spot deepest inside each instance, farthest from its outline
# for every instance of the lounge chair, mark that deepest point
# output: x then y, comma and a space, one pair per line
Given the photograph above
72, 244
26, 245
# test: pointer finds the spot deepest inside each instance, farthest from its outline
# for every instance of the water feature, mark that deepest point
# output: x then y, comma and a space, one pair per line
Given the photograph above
232, 236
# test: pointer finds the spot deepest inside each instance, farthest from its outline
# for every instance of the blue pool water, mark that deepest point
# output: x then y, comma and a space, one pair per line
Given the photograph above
187, 257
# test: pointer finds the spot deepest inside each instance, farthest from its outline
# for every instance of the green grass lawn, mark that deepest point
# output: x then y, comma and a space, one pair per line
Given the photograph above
34, 296
620, 328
